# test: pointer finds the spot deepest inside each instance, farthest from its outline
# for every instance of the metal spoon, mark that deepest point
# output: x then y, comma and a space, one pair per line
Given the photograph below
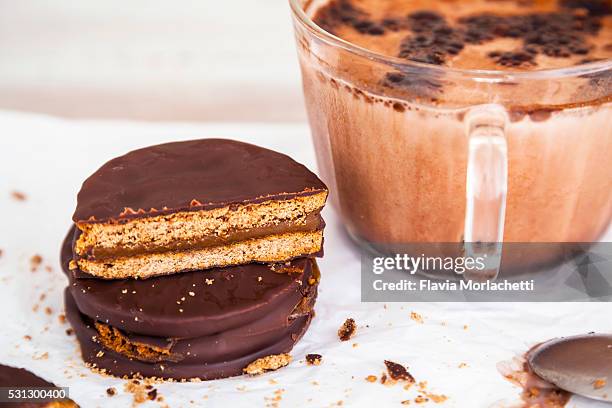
578, 364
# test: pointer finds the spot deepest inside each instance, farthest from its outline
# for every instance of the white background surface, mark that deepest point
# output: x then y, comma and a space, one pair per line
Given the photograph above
48, 158
150, 59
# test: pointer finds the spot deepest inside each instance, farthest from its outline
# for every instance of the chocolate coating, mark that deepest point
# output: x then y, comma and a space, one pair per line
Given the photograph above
222, 346
237, 296
118, 365
169, 177
20, 377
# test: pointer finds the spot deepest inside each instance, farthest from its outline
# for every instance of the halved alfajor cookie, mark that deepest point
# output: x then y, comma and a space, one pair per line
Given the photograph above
196, 205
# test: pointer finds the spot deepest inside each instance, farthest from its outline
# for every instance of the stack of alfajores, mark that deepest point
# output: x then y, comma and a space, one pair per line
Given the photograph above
194, 260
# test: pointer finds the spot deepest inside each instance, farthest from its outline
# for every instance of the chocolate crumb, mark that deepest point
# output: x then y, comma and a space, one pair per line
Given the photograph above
313, 359
432, 40
512, 58
383, 378
111, 391
347, 330
69, 332
398, 372
152, 394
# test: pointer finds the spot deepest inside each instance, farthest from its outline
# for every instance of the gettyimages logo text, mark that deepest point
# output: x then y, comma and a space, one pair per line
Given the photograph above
413, 264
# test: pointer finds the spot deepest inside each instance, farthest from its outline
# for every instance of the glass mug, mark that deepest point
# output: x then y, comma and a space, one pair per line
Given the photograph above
422, 153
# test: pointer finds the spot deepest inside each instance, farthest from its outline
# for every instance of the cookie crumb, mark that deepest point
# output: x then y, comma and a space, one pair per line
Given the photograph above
141, 391
18, 195
209, 281
152, 394
48, 310
398, 372
313, 359
599, 383
371, 378
27, 337
61, 318
438, 399
43, 356
35, 262
111, 391
416, 317
69, 332
268, 363
347, 330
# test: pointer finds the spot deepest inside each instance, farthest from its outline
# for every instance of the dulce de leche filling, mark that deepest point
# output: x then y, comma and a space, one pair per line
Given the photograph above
310, 223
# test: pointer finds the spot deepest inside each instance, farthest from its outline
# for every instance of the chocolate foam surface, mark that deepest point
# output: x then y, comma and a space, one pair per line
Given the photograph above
476, 34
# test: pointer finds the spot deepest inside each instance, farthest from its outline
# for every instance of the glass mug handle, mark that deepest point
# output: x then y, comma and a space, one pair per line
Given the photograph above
486, 188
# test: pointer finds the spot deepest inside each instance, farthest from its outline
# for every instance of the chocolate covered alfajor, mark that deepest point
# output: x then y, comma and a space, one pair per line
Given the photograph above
161, 293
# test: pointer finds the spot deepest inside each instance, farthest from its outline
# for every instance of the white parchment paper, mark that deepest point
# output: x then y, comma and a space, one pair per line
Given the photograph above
455, 349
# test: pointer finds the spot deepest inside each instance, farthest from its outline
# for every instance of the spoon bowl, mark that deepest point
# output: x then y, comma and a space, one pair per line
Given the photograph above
578, 364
